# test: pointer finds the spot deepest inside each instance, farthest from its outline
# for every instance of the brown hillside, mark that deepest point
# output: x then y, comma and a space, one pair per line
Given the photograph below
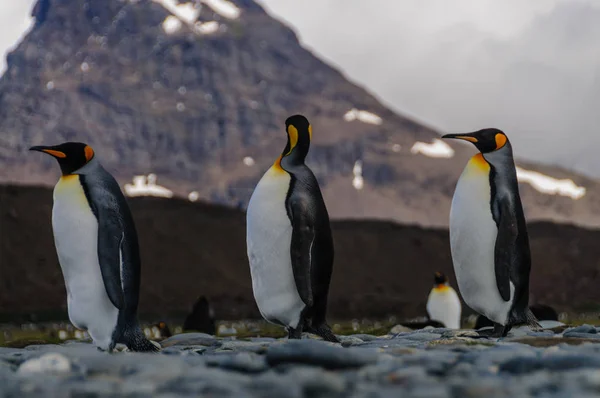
190, 249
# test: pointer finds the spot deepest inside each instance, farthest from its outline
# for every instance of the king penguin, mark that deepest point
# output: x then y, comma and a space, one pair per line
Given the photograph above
488, 234
443, 304
97, 249
290, 247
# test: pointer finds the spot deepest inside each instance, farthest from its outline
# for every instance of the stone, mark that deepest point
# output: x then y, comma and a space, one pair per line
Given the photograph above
594, 336
363, 337
242, 362
420, 336
349, 341
548, 324
189, 339
319, 353
400, 329
582, 329
459, 333
250, 346
521, 365
52, 363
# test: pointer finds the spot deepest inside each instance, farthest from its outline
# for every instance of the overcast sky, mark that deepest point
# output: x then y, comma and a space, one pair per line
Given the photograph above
531, 68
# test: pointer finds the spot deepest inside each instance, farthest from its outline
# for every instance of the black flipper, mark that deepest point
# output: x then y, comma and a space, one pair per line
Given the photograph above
504, 254
110, 239
303, 237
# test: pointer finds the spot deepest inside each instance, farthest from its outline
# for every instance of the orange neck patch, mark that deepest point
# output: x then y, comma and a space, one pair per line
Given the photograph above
277, 165
441, 288
478, 162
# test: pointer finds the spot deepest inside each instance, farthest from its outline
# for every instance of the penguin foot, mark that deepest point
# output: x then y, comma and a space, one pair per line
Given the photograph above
294, 334
325, 332
497, 332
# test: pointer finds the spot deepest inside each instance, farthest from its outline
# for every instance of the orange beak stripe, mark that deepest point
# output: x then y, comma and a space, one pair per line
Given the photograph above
466, 138
56, 154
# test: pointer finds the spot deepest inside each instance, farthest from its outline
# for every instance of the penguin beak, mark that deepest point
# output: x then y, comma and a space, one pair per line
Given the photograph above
467, 137
49, 151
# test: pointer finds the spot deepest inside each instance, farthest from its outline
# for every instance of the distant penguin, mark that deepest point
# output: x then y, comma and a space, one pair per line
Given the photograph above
488, 234
202, 318
290, 247
97, 248
163, 330
443, 304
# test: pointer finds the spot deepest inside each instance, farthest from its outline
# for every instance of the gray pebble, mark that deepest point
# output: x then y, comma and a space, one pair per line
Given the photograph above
319, 353
582, 329
249, 346
422, 336
521, 365
242, 362
364, 337
189, 339
579, 335
348, 341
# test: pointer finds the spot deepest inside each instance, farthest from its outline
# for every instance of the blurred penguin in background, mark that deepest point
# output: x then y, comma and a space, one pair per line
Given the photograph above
443, 304
202, 318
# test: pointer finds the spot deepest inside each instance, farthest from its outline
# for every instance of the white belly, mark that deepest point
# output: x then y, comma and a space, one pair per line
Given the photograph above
269, 236
473, 235
76, 238
443, 305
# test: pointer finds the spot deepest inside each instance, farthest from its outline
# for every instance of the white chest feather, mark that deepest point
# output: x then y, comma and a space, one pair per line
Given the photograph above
473, 233
268, 237
76, 238
443, 305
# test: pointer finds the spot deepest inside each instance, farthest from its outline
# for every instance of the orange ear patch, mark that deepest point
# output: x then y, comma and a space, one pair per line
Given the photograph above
89, 153
310, 132
500, 140
293, 135
56, 154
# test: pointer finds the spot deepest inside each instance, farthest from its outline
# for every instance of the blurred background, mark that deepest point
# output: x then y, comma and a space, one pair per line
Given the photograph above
185, 103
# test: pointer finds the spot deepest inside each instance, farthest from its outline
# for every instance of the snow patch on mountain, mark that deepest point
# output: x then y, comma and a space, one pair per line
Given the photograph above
549, 185
436, 149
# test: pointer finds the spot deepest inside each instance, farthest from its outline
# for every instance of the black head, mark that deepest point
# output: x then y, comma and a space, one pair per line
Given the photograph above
486, 140
440, 278
299, 134
71, 156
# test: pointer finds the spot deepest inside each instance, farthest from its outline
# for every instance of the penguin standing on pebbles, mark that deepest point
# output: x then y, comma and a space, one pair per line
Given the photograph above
443, 304
290, 247
488, 234
97, 248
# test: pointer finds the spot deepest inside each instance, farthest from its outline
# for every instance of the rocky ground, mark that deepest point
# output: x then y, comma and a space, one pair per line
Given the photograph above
558, 362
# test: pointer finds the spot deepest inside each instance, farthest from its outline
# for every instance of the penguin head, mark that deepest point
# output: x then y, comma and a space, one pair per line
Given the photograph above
71, 156
486, 140
299, 134
440, 278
